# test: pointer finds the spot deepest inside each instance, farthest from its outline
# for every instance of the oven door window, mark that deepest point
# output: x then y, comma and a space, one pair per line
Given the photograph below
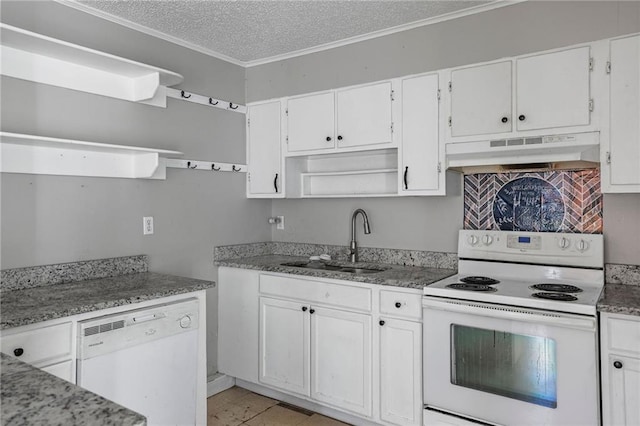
512, 365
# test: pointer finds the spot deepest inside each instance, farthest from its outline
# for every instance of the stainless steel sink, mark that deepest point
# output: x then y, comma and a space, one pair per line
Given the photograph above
334, 267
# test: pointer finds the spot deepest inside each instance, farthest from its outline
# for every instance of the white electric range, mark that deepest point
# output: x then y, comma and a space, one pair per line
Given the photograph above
512, 338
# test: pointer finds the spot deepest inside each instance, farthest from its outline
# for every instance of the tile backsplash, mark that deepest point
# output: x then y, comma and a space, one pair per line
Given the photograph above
545, 201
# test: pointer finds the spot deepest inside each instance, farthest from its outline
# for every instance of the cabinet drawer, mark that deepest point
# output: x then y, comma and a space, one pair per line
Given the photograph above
401, 304
39, 344
317, 292
624, 334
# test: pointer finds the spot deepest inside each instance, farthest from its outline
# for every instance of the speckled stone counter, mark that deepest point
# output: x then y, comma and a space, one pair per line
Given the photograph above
29, 396
36, 304
621, 292
393, 275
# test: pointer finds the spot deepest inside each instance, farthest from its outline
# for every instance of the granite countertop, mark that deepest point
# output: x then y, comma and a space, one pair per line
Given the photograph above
394, 275
620, 299
35, 397
37, 304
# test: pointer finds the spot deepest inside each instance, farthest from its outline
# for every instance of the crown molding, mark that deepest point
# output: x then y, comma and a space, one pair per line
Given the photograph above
149, 31
327, 46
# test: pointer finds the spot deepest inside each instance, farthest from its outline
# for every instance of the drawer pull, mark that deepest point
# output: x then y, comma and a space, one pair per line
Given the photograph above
617, 364
18, 351
381, 322
398, 305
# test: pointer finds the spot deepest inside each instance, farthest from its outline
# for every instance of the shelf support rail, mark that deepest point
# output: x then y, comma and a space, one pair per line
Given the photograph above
205, 100
205, 165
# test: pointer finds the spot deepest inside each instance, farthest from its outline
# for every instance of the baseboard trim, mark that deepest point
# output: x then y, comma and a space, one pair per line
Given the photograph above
218, 383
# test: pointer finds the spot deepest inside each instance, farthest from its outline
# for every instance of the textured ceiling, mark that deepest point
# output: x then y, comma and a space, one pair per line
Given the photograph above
254, 30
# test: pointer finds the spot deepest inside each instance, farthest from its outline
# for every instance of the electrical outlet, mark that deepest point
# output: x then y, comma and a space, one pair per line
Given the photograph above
147, 225
280, 222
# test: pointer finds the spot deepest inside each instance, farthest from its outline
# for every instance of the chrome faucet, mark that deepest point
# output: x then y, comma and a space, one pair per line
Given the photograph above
353, 247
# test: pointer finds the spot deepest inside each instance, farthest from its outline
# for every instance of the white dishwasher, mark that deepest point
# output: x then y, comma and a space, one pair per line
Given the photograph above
145, 360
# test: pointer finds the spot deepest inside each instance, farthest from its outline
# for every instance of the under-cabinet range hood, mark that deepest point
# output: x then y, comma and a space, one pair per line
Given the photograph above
540, 152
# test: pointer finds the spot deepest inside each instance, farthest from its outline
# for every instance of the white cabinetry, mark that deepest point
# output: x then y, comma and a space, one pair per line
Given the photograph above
620, 361
621, 147
544, 93
49, 347
238, 323
340, 120
421, 155
264, 140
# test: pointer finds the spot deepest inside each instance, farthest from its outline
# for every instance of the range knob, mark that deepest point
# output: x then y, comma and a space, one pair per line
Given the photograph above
472, 240
185, 321
487, 240
583, 245
564, 243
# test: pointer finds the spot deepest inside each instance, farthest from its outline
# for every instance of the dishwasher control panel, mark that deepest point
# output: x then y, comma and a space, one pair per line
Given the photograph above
109, 333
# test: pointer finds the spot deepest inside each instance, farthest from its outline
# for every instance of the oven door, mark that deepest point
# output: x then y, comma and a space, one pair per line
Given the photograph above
507, 365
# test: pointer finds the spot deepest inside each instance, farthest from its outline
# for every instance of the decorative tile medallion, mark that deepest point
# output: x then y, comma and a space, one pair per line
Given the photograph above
548, 201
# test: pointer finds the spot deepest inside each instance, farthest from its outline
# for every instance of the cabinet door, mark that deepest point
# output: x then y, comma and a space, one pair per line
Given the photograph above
420, 137
238, 309
341, 359
263, 149
552, 89
63, 370
623, 167
284, 345
364, 115
620, 402
311, 122
481, 99
401, 372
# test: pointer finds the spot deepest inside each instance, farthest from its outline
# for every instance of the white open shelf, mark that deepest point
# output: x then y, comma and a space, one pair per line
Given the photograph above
21, 153
357, 174
35, 57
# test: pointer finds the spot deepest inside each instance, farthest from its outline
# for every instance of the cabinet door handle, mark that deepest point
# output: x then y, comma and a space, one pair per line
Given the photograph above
18, 351
339, 137
617, 364
381, 322
521, 117
311, 310
406, 172
304, 309
275, 183
398, 305
328, 138
505, 119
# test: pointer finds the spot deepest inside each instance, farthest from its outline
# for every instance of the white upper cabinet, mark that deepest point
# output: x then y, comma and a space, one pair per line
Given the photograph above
364, 115
311, 123
621, 149
552, 89
340, 120
264, 136
481, 99
420, 153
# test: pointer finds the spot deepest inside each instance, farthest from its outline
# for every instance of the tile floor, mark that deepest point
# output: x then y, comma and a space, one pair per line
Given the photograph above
238, 406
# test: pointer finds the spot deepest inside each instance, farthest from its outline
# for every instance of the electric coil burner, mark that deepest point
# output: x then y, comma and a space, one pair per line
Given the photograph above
563, 297
471, 287
560, 288
479, 280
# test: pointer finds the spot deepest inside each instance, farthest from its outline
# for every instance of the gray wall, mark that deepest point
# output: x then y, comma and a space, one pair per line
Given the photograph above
431, 223
52, 219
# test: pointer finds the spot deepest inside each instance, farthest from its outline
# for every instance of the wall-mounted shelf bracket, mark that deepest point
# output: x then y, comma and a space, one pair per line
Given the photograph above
210, 166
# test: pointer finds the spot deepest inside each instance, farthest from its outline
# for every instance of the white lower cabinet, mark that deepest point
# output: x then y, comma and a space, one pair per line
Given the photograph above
620, 365
400, 371
341, 359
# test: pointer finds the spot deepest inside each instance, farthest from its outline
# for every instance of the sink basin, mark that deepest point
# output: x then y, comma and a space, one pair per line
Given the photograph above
334, 267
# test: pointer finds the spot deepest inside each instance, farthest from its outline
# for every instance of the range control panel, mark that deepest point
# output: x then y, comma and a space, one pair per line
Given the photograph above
547, 248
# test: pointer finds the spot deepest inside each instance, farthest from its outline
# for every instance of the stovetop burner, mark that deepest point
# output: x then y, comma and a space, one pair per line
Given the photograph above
470, 287
560, 288
479, 280
563, 297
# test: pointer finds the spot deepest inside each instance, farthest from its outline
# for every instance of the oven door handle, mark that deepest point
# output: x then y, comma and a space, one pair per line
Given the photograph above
511, 313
